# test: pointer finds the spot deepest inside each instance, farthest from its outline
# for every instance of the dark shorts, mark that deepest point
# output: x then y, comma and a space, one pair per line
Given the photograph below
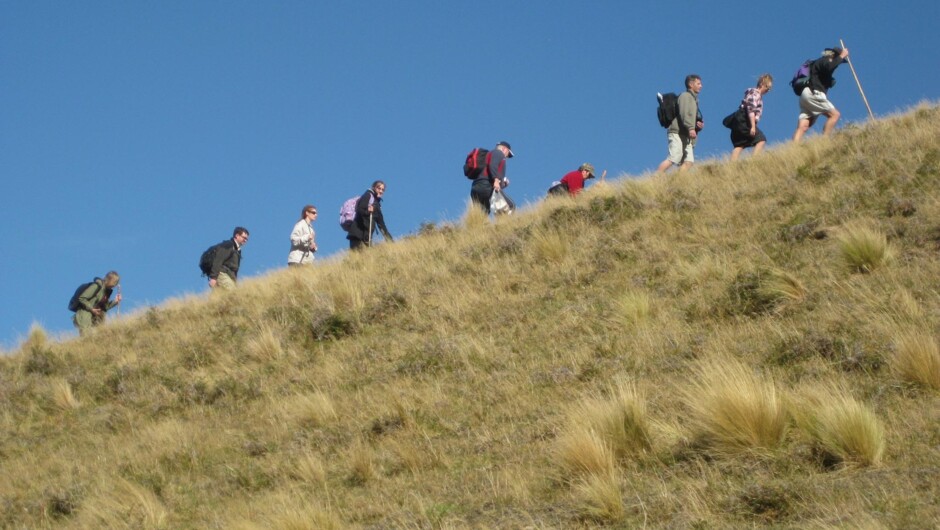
745, 140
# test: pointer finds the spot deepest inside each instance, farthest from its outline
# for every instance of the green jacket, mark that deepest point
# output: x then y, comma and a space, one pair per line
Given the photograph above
93, 295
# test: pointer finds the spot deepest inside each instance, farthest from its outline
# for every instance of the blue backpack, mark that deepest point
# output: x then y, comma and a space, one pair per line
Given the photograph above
801, 77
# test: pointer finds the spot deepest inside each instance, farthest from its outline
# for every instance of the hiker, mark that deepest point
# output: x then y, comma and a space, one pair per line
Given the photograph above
575, 180
493, 177
91, 304
683, 130
368, 218
744, 131
814, 100
228, 256
303, 239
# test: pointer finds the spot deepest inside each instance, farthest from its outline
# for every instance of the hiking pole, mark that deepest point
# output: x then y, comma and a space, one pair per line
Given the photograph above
849, 60
370, 229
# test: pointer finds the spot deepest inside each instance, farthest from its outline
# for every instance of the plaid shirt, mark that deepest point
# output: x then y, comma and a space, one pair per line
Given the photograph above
753, 103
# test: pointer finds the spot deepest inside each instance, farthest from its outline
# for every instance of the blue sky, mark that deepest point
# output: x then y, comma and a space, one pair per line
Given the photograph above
135, 134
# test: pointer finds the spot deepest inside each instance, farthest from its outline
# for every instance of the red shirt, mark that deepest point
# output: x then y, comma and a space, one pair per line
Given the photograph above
575, 182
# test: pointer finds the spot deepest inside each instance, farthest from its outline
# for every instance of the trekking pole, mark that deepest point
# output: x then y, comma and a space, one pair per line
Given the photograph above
370, 229
848, 60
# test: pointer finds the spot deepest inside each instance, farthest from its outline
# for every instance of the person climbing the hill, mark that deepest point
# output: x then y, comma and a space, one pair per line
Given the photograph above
814, 100
368, 218
223, 273
682, 132
303, 238
746, 133
576, 180
91, 304
493, 176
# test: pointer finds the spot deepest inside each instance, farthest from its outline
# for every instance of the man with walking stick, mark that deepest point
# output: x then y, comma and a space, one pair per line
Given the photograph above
368, 217
814, 100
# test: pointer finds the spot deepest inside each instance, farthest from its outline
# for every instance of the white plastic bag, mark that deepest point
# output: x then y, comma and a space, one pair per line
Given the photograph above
500, 203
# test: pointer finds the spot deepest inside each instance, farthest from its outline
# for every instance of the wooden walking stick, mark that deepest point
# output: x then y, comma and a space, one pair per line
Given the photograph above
849, 60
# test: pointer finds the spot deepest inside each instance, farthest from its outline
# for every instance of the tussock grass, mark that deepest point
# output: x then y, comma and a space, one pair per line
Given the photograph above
612, 359
864, 249
124, 505
63, 396
620, 420
735, 410
584, 453
917, 359
847, 431
599, 498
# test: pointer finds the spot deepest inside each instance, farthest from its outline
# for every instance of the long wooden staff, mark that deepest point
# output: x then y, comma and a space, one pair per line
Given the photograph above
849, 60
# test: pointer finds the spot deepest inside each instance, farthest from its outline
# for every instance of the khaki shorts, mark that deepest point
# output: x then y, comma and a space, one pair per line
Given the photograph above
813, 103
224, 281
680, 149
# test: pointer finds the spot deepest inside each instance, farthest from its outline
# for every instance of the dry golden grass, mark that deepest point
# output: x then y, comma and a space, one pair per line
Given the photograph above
545, 370
864, 249
584, 453
599, 498
917, 359
734, 409
845, 429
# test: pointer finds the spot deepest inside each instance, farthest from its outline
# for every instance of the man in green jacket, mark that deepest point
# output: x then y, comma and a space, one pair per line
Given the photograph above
94, 301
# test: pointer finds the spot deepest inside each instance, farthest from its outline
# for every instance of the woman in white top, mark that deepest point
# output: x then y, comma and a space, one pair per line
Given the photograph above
303, 238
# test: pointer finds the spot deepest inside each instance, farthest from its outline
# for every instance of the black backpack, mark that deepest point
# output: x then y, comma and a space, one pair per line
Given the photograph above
559, 188
475, 163
74, 304
205, 261
668, 108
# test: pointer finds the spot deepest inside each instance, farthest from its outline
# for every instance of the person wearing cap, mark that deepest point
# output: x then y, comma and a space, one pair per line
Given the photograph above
682, 133
814, 101
493, 176
576, 179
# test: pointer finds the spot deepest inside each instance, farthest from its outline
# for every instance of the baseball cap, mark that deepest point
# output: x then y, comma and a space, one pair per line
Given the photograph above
589, 168
510, 155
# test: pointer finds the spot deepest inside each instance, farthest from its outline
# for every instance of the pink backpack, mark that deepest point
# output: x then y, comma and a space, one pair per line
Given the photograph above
348, 211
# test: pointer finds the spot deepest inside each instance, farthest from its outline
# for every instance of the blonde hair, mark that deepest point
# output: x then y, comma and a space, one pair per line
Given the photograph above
765, 79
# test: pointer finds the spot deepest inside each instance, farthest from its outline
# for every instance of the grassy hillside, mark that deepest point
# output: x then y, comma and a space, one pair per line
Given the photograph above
739, 345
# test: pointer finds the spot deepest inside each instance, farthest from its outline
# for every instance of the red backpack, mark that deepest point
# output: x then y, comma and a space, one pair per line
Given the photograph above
475, 164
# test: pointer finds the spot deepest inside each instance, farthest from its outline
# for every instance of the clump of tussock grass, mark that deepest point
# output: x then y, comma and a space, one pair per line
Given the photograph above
917, 359
846, 431
310, 469
764, 291
63, 396
633, 308
599, 498
126, 505
550, 246
363, 465
864, 249
583, 453
309, 410
265, 345
733, 409
620, 420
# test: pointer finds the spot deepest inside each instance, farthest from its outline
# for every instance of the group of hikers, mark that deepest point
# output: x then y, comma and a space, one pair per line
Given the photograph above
361, 216
812, 83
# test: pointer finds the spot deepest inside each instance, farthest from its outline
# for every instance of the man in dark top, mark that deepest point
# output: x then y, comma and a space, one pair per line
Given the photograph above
493, 176
814, 100
227, 259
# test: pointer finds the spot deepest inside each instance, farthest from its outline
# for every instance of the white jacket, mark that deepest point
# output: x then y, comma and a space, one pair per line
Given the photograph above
300, 239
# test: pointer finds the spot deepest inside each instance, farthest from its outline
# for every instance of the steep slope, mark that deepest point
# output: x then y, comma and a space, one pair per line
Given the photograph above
742, 344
